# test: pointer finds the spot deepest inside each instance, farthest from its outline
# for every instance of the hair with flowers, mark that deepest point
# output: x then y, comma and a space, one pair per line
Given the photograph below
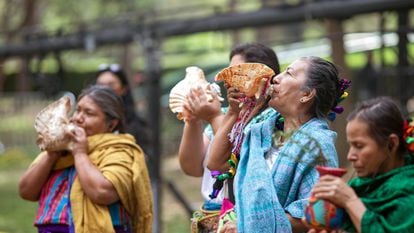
408, 135
344, 84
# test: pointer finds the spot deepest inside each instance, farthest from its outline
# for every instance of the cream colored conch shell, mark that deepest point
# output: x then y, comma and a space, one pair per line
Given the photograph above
249, 78
194, 78
52, 125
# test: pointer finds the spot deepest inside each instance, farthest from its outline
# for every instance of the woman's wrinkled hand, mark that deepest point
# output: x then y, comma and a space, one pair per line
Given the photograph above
335, 190
199, 107
79, 142
234, 97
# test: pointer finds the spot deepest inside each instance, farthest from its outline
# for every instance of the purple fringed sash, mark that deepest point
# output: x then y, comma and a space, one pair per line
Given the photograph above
53, 228
60, 228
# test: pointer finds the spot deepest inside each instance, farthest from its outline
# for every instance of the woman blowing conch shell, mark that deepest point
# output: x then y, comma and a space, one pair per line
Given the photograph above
248, 78
101, 182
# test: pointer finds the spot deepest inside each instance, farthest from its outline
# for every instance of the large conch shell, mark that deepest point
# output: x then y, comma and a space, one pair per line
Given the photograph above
194, 78
249, 78
52, 125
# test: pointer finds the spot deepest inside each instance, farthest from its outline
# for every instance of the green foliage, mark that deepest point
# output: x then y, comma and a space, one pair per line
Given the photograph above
15, 123
358, 60
14, 158
16, 215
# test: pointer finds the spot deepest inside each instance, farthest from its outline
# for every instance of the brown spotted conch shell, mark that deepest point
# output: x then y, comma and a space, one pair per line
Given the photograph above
194, 78
249, 78
52, 125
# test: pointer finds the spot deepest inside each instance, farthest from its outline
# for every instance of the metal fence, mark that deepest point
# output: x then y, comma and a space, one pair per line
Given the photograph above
17, 114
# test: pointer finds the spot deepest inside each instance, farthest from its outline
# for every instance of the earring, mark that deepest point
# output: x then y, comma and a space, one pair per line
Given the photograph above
302, 100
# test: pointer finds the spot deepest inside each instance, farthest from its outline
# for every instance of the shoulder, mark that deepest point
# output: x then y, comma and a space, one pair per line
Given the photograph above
396, 180
319, 130
402, 177
316, 136
263, 115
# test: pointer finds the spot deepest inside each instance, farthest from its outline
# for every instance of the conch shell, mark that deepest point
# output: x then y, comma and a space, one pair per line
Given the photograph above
52, 125
249, 78
194, 78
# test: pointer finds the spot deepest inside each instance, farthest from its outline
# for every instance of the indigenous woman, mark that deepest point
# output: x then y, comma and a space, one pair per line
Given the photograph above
381, 198
101, 184
276, 170
195, 143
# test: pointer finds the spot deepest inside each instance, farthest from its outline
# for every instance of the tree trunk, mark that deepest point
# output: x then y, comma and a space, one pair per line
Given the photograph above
235, 34
30, 19
335, 33
403, 64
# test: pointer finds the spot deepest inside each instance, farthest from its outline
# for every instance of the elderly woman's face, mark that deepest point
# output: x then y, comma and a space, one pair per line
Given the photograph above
287, 86
111, 80
90, 117
366, 156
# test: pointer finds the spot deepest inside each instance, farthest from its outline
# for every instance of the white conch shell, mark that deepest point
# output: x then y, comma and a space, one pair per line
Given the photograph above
52, 125
194, 78
249, 78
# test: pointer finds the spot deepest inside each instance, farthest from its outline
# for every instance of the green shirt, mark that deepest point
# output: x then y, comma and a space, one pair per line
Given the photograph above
389, 199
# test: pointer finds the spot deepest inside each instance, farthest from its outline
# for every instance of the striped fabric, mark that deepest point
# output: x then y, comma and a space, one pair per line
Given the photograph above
54, 205
120, 217
54, 198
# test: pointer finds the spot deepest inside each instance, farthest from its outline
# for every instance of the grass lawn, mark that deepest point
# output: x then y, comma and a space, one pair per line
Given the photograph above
16, 215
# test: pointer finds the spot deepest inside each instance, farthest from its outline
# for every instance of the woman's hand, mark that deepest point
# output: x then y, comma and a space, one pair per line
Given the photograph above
234, 97
229, 227
79, 143
200, 107
335, 190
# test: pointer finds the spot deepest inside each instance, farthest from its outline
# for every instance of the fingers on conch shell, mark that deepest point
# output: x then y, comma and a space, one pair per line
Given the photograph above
194, 80
246, 77
51, 125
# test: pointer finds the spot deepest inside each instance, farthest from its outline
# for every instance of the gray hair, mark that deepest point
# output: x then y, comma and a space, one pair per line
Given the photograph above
109, 102
323, 77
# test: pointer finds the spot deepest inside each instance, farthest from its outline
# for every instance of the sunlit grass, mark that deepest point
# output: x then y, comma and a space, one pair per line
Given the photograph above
16, 215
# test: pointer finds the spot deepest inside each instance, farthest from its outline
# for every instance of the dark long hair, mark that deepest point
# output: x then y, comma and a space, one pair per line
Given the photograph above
383, 117
256, 52
323, 77
109, 102
134, 123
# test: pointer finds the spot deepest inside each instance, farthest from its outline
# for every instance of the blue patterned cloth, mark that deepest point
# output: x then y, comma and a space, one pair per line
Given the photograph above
208, 181
264, 195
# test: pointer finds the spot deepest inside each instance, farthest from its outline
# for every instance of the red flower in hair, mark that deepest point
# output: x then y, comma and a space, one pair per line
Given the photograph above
408, 135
